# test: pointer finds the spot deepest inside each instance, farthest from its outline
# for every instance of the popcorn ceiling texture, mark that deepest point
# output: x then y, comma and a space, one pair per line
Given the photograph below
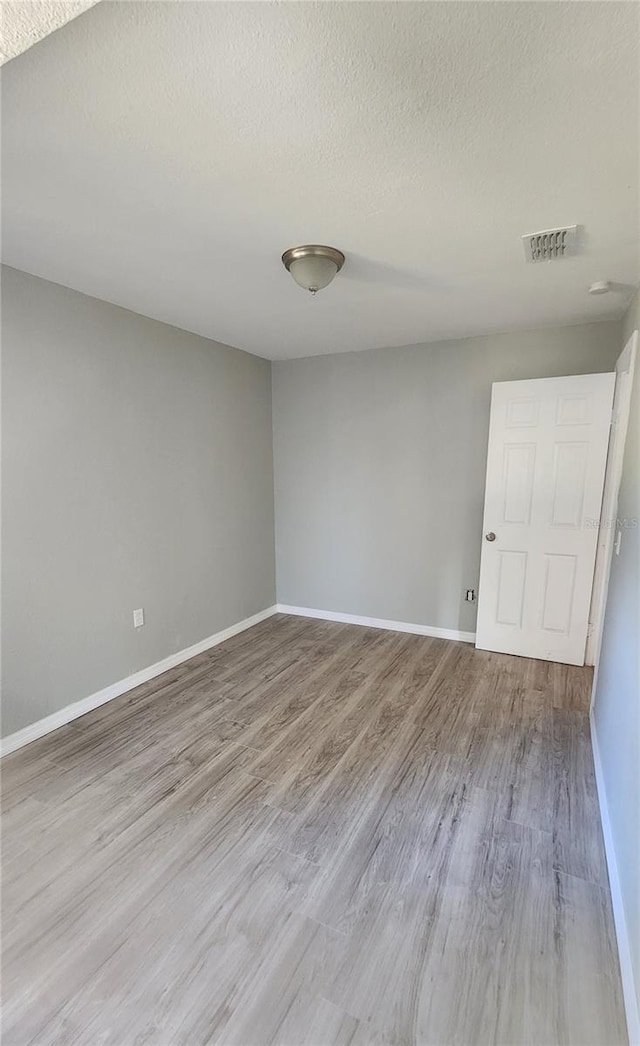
24, 22
176, 149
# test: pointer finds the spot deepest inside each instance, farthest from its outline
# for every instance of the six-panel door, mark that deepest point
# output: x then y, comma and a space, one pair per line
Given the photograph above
547, 453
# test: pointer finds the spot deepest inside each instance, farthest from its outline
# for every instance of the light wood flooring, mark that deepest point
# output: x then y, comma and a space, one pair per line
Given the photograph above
314, 834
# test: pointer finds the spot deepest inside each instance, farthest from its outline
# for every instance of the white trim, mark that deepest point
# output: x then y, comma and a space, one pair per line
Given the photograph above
378, 622
87, 704
624, 948
101, 697
625, 367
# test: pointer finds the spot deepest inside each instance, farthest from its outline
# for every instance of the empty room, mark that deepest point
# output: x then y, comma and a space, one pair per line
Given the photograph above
320, 716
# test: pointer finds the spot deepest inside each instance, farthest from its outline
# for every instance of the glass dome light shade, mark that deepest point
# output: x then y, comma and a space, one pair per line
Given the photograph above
313, 267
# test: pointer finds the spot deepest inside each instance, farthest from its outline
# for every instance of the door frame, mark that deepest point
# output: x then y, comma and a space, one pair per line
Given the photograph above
625, 367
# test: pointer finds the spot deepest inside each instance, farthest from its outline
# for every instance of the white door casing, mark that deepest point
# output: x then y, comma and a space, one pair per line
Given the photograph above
548, 441
625, 367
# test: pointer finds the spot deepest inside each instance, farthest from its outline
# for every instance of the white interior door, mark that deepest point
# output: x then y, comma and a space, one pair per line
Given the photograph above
548, 442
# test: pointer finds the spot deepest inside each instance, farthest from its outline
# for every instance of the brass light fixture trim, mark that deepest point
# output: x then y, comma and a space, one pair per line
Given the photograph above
310, 251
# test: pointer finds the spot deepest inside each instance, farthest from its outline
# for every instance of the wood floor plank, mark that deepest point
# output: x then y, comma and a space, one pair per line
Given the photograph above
579, 849
501, 925
314, 834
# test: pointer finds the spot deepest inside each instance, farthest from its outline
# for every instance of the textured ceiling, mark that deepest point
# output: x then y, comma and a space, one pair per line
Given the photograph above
24, 22
163, 155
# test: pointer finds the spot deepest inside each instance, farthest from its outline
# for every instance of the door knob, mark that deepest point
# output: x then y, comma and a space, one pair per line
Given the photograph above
490, 536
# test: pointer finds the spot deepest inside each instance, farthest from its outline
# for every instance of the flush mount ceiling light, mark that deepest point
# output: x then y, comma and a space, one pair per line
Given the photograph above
313, 266
600, 287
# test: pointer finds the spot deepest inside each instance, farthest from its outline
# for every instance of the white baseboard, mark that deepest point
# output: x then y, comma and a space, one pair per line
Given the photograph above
631, 1002
379, 622
87, 704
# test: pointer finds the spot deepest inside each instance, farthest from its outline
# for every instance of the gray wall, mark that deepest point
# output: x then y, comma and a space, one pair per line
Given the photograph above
380, 464
617, 703
137, 472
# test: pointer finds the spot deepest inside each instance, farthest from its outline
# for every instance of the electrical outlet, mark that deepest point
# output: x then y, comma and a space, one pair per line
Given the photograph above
138, 618
471, 595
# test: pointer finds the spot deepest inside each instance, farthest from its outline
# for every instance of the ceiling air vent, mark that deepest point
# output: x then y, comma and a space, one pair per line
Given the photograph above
550, 244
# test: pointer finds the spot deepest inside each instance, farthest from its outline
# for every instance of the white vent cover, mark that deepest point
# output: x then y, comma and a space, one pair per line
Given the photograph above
550, 244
